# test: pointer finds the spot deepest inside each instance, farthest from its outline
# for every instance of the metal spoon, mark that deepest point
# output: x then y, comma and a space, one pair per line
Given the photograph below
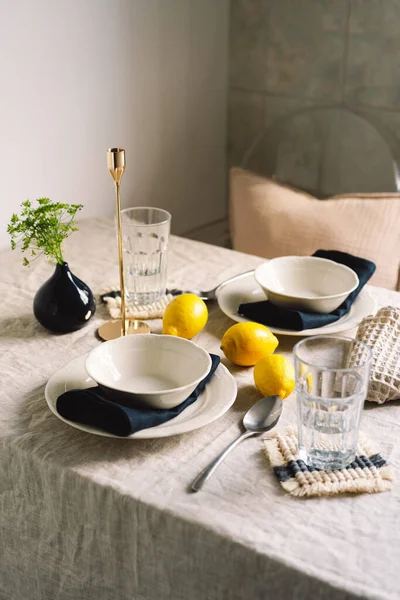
261, 417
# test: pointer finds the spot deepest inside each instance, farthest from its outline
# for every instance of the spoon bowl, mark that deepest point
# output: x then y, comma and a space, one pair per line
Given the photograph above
263, 415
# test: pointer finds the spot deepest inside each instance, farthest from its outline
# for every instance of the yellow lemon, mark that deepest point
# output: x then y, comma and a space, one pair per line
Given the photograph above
274, 376
245, 343
308, 377
185, 316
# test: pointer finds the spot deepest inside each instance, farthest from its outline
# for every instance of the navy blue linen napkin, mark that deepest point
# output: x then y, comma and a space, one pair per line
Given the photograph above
276, 316
91, 407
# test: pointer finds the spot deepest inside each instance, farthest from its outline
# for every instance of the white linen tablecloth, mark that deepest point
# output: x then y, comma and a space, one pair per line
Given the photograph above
84, 517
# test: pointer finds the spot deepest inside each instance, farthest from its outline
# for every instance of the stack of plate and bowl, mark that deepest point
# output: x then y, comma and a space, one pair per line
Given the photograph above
156, 371
305, 283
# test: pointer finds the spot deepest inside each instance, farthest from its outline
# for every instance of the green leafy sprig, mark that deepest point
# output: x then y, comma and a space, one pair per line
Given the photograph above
43, 228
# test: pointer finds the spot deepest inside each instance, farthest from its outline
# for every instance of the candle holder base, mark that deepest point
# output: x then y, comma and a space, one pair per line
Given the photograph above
111, 330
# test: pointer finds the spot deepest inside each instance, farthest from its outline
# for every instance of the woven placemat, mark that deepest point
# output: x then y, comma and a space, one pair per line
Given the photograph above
369, 473
112, 299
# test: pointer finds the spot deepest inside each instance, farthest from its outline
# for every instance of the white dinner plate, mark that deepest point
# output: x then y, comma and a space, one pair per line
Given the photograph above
213, 402
244, 288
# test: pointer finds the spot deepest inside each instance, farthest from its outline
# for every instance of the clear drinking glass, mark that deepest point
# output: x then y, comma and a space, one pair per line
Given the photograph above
145, 234
332, 376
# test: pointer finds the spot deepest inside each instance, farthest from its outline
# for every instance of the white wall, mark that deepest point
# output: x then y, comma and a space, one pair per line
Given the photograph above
79, 76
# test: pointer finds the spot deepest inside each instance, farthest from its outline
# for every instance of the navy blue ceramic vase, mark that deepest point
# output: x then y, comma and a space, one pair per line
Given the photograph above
63, 303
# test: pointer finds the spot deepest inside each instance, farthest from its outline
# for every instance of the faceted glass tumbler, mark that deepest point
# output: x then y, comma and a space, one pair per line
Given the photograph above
332, 375
145, 235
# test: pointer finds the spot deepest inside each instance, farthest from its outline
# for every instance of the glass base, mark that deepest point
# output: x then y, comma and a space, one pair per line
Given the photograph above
143, 298
327, 460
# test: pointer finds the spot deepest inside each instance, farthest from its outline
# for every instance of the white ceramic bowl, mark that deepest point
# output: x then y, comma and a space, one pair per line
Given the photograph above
160, 371
306, 283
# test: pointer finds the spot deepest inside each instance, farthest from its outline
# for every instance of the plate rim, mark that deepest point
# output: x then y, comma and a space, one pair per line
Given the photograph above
365, 294
148, 433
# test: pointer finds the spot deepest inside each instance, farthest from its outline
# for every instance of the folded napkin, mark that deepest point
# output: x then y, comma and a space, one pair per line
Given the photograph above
369, 472
277, 316
91, 407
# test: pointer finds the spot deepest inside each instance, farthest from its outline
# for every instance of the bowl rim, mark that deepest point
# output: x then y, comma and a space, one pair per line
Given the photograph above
151, 393
304, 297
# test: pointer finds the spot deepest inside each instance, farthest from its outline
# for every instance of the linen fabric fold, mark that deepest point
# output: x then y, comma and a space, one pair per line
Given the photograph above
91, 407
277, 316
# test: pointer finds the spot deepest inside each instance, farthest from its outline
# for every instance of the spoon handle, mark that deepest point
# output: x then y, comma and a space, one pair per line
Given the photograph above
209, 470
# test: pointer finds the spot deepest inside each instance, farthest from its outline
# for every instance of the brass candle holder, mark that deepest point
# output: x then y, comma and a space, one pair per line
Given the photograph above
116, 328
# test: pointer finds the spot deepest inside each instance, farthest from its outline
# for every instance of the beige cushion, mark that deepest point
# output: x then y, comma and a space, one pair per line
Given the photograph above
269, 219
